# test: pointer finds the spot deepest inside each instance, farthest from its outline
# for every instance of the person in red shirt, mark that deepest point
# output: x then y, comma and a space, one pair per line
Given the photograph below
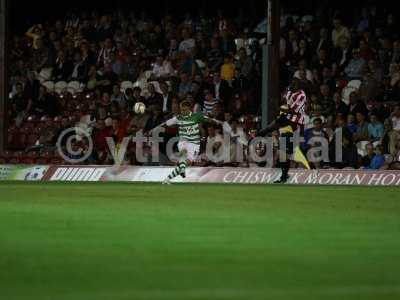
100, 143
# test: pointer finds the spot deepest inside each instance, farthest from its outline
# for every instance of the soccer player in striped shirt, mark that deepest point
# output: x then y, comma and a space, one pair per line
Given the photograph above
188, 124
286, 128
296, 100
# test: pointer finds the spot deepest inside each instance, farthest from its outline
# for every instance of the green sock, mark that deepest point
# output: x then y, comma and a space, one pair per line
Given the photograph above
179, 170
174, 173
182, 167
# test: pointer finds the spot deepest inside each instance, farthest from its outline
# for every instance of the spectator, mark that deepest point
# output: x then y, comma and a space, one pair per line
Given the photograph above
117, 131
369, 155
356, 66
188, 43
378, 159
342, 55
351, 124
228, 69
315, 137
339, 31
103, 51
396, 118
36, 34
173, 49
21, 105
104, 56
63, 67
154, 97
214, 145
340, 107
167, 97
209, 102
117, 95
244, 65
356, 105
390, 138
324, 42
349, 153
155, 118
136, 97
45, 104
362, 133
303, 67
214, 56
222, 90
162, 68
327, 104
185, 86
375, 128
79, 69
302, 53
239, 142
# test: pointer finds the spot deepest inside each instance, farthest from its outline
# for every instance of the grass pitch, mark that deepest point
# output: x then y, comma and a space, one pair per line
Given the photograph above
147, 241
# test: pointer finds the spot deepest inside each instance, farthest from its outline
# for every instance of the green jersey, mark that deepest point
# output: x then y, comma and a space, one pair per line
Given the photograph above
188, 126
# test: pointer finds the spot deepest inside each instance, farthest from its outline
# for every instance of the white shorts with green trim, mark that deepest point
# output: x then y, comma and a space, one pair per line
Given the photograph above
190, 151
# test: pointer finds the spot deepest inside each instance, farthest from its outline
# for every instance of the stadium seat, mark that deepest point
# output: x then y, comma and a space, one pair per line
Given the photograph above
75, 87
49, 85
156, 85
45, 74
126, 85
355, 84
60, 87
351, 86
361, 147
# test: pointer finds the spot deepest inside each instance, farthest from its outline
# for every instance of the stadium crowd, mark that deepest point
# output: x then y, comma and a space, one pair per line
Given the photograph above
88, 70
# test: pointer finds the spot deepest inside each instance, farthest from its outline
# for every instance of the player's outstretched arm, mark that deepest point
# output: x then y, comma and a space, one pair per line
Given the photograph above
171, 122
212, 120
225, 125
271, 127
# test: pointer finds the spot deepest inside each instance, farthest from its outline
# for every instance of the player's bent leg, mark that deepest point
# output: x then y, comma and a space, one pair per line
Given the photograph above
188, 153
180, 169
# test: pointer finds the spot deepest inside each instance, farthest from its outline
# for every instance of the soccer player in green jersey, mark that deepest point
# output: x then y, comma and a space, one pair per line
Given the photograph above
188, 124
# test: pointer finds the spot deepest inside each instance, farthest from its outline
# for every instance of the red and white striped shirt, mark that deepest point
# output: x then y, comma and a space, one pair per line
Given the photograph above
296, 102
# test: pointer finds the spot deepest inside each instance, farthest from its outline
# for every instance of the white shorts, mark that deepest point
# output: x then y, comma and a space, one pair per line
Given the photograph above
189, 150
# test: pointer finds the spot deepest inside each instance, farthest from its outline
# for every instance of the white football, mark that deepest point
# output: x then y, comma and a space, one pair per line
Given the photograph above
139, 108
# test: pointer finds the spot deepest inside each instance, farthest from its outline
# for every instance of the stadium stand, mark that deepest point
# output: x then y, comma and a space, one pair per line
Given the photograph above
90, 70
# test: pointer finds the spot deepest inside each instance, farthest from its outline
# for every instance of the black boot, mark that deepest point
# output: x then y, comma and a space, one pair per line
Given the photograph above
285, 172
283, 179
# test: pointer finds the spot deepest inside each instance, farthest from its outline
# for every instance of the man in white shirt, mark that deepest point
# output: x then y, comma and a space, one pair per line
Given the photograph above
214, 149
396, 118
162, 68
187, 43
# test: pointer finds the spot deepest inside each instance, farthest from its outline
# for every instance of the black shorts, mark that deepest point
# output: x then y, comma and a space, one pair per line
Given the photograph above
287, 138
